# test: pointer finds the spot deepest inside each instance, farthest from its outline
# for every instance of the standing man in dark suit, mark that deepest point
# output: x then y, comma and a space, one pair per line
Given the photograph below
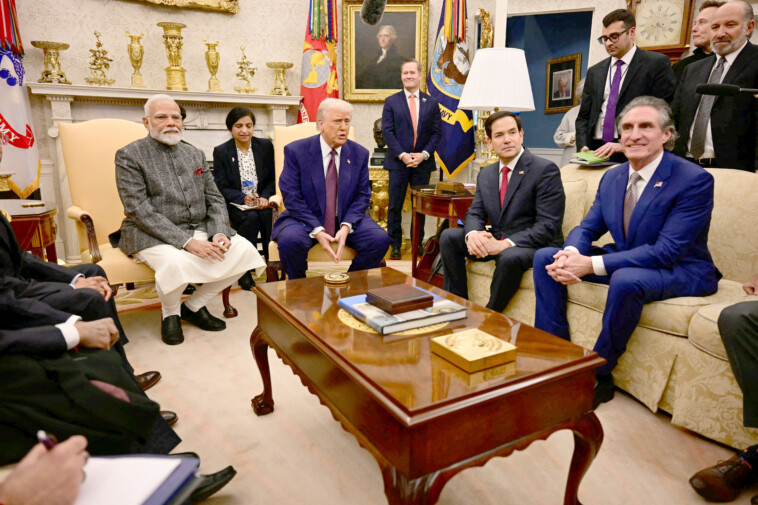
412, 128
611, 84
522, 197
721, 131
701, 38
326, 192
657, 208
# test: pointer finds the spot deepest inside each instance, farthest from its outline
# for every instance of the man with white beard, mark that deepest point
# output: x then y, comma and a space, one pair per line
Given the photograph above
176, 221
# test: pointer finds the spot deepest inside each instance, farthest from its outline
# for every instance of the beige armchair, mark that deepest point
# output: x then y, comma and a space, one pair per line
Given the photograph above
89, 149
282, 137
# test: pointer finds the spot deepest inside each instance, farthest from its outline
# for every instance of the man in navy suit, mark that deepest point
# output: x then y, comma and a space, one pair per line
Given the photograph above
657, 208
325, 188
522, 197
412, 128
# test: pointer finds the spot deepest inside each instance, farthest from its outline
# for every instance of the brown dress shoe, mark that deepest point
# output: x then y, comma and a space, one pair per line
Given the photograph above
723, 481
148, 379
169, 417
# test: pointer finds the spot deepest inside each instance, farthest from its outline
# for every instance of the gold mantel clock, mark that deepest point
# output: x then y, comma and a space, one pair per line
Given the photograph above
663, 26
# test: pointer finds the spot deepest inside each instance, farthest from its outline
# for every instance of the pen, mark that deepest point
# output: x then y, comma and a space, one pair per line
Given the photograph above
47, 439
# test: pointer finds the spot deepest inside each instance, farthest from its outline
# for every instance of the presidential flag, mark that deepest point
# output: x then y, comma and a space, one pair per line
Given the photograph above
318, 76
20, 156
447, 76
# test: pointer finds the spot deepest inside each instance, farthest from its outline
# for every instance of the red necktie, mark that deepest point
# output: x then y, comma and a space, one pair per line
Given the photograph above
504, 185
330, 216
414, 119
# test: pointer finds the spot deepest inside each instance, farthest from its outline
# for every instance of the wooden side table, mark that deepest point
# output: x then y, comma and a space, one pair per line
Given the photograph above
448, 207
34, 226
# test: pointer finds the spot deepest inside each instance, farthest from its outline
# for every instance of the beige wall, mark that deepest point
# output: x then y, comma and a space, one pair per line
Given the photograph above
270, 30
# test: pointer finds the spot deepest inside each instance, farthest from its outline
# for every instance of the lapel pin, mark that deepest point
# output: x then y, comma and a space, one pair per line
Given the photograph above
658, 184
348, 162
423, 99
232, 160
521, 172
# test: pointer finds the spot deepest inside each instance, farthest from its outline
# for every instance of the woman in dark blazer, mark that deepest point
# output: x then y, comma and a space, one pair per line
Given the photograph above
244, 171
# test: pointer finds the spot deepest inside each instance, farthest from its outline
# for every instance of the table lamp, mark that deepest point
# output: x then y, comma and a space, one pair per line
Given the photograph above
498, 79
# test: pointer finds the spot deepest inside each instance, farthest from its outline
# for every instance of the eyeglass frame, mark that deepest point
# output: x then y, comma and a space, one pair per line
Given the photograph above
605, 38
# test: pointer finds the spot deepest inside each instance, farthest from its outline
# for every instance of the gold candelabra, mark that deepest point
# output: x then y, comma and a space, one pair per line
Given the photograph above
245, 72
52, 71
212, 59
280, 83
99, 62
136, 52
173, 40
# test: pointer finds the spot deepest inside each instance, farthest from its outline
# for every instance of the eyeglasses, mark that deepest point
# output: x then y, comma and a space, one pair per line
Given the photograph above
613, 37
163, 117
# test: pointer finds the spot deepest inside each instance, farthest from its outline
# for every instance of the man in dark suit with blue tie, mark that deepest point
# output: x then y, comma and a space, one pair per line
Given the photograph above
522, 197
657, 208
412, 128
325, 188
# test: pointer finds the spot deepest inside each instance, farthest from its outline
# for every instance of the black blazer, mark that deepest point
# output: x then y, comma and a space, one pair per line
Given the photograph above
533, 207
649, 74
733, 118
226, 170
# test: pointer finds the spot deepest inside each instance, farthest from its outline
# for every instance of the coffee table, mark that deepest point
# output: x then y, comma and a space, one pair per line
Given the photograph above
423, 419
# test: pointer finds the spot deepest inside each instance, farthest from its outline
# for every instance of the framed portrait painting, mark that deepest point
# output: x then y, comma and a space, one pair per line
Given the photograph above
561, 82
373, 55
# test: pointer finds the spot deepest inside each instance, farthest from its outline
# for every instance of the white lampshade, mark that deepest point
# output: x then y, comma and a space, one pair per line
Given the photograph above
498, 78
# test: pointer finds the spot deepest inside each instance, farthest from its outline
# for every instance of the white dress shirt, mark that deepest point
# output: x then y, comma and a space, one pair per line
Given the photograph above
627, 59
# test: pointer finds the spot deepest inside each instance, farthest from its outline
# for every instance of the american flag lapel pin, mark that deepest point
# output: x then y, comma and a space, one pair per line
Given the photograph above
658, 184
232, 159
521, 172
348, 161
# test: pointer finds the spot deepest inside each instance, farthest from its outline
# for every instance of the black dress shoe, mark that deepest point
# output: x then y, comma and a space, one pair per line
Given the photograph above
171, 330
210, 484
395, 253
169, 417
203, 319
604, 390
148, 379
723, 481
247, 282
754, 500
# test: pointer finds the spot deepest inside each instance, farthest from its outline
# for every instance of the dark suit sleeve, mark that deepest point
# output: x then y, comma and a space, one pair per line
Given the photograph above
688, 217
266, 173
550, 203
388, 128
295, 168
222, 173
17, 313
39, 341
582, 124
436, 127
476, 216
34, 268
664, 82
362, 196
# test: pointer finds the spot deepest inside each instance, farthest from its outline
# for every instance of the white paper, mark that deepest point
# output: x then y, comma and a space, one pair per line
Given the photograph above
123, 481
244, 207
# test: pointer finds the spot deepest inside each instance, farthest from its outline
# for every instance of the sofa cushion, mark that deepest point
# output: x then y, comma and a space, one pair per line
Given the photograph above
670, 316
704, 330
576, 192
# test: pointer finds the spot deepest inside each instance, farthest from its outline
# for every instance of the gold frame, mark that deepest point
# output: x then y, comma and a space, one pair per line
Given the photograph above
561, 62
349, 27
231, 6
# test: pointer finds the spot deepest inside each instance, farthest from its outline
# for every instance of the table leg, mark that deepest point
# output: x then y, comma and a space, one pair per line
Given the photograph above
421, 491
414, 237
52, 255
263, 403
588, 436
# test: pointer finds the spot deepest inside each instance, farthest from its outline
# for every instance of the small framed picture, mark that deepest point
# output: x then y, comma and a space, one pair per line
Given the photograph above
562, 78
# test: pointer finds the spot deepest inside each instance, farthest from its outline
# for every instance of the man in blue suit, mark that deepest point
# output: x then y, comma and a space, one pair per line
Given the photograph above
657, 208
412, 128
325, 188
522, 197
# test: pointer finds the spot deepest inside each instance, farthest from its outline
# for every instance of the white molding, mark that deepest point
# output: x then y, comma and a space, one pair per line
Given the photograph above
549, 153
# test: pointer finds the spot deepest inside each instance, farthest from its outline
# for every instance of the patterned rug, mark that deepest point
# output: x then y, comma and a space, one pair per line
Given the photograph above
144, 295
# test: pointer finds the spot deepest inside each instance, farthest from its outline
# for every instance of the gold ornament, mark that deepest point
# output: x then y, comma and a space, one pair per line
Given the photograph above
212, 59
173, 40
245, 72
52, 71
136, 52
98, 64
280, 84
485, 39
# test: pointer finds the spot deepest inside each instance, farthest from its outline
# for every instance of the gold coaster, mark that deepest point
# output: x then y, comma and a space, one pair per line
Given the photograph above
336, 279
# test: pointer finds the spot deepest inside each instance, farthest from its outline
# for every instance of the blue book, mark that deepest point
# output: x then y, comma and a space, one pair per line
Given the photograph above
442, 310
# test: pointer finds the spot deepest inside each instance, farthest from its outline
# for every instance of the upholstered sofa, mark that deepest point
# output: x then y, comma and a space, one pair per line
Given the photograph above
675, 360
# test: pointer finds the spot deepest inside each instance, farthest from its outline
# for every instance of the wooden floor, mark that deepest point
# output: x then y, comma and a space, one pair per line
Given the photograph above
300, 455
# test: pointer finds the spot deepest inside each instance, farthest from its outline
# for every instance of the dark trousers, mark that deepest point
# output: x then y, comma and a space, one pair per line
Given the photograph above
398, 185
738, 325
249, 223
510, 266
367, 238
